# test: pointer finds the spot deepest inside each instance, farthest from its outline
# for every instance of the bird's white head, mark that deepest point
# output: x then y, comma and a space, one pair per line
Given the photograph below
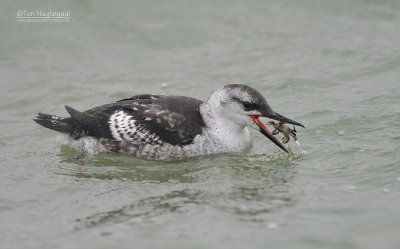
237, 106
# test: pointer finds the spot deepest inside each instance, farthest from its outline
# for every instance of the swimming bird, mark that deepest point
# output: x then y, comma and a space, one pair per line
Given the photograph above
169, 127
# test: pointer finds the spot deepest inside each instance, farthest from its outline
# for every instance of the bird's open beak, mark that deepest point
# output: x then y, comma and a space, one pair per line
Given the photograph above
283, 119
267, 133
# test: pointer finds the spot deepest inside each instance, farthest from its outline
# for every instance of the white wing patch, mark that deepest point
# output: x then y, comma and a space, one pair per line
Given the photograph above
124, 127
115, 121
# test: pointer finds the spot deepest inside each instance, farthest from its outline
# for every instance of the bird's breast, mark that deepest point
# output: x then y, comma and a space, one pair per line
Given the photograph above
224, 140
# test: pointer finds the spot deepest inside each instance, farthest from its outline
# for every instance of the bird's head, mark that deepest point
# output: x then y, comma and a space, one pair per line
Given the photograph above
243, 105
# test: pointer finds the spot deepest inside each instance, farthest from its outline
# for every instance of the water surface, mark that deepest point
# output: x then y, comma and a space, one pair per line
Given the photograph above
331, 65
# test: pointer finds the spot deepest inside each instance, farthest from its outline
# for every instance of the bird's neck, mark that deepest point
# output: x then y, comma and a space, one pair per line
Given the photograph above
230, 133
214, 118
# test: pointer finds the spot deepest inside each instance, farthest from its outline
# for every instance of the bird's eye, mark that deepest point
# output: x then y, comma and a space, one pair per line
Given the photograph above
248, 106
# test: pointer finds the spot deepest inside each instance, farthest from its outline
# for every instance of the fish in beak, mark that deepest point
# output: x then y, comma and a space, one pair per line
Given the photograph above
276, 116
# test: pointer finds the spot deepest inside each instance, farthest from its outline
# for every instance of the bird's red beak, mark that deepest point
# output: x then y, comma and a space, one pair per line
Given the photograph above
266, 132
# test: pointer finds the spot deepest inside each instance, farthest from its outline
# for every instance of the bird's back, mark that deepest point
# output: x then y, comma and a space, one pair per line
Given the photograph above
165, 118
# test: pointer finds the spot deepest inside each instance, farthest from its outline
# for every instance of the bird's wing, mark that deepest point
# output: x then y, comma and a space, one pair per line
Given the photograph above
150, 119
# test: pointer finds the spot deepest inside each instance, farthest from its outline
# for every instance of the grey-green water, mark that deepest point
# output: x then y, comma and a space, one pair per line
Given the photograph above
332, 65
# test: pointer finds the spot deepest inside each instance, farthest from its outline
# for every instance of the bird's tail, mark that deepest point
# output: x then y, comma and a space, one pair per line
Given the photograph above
55, 123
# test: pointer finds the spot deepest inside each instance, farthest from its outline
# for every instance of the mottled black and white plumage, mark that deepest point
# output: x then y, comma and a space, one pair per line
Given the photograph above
167, 127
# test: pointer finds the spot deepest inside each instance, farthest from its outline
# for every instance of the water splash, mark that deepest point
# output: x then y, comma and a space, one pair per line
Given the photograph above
298, 144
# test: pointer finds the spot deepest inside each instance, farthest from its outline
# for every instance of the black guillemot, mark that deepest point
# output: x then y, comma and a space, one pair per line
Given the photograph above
168, 127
